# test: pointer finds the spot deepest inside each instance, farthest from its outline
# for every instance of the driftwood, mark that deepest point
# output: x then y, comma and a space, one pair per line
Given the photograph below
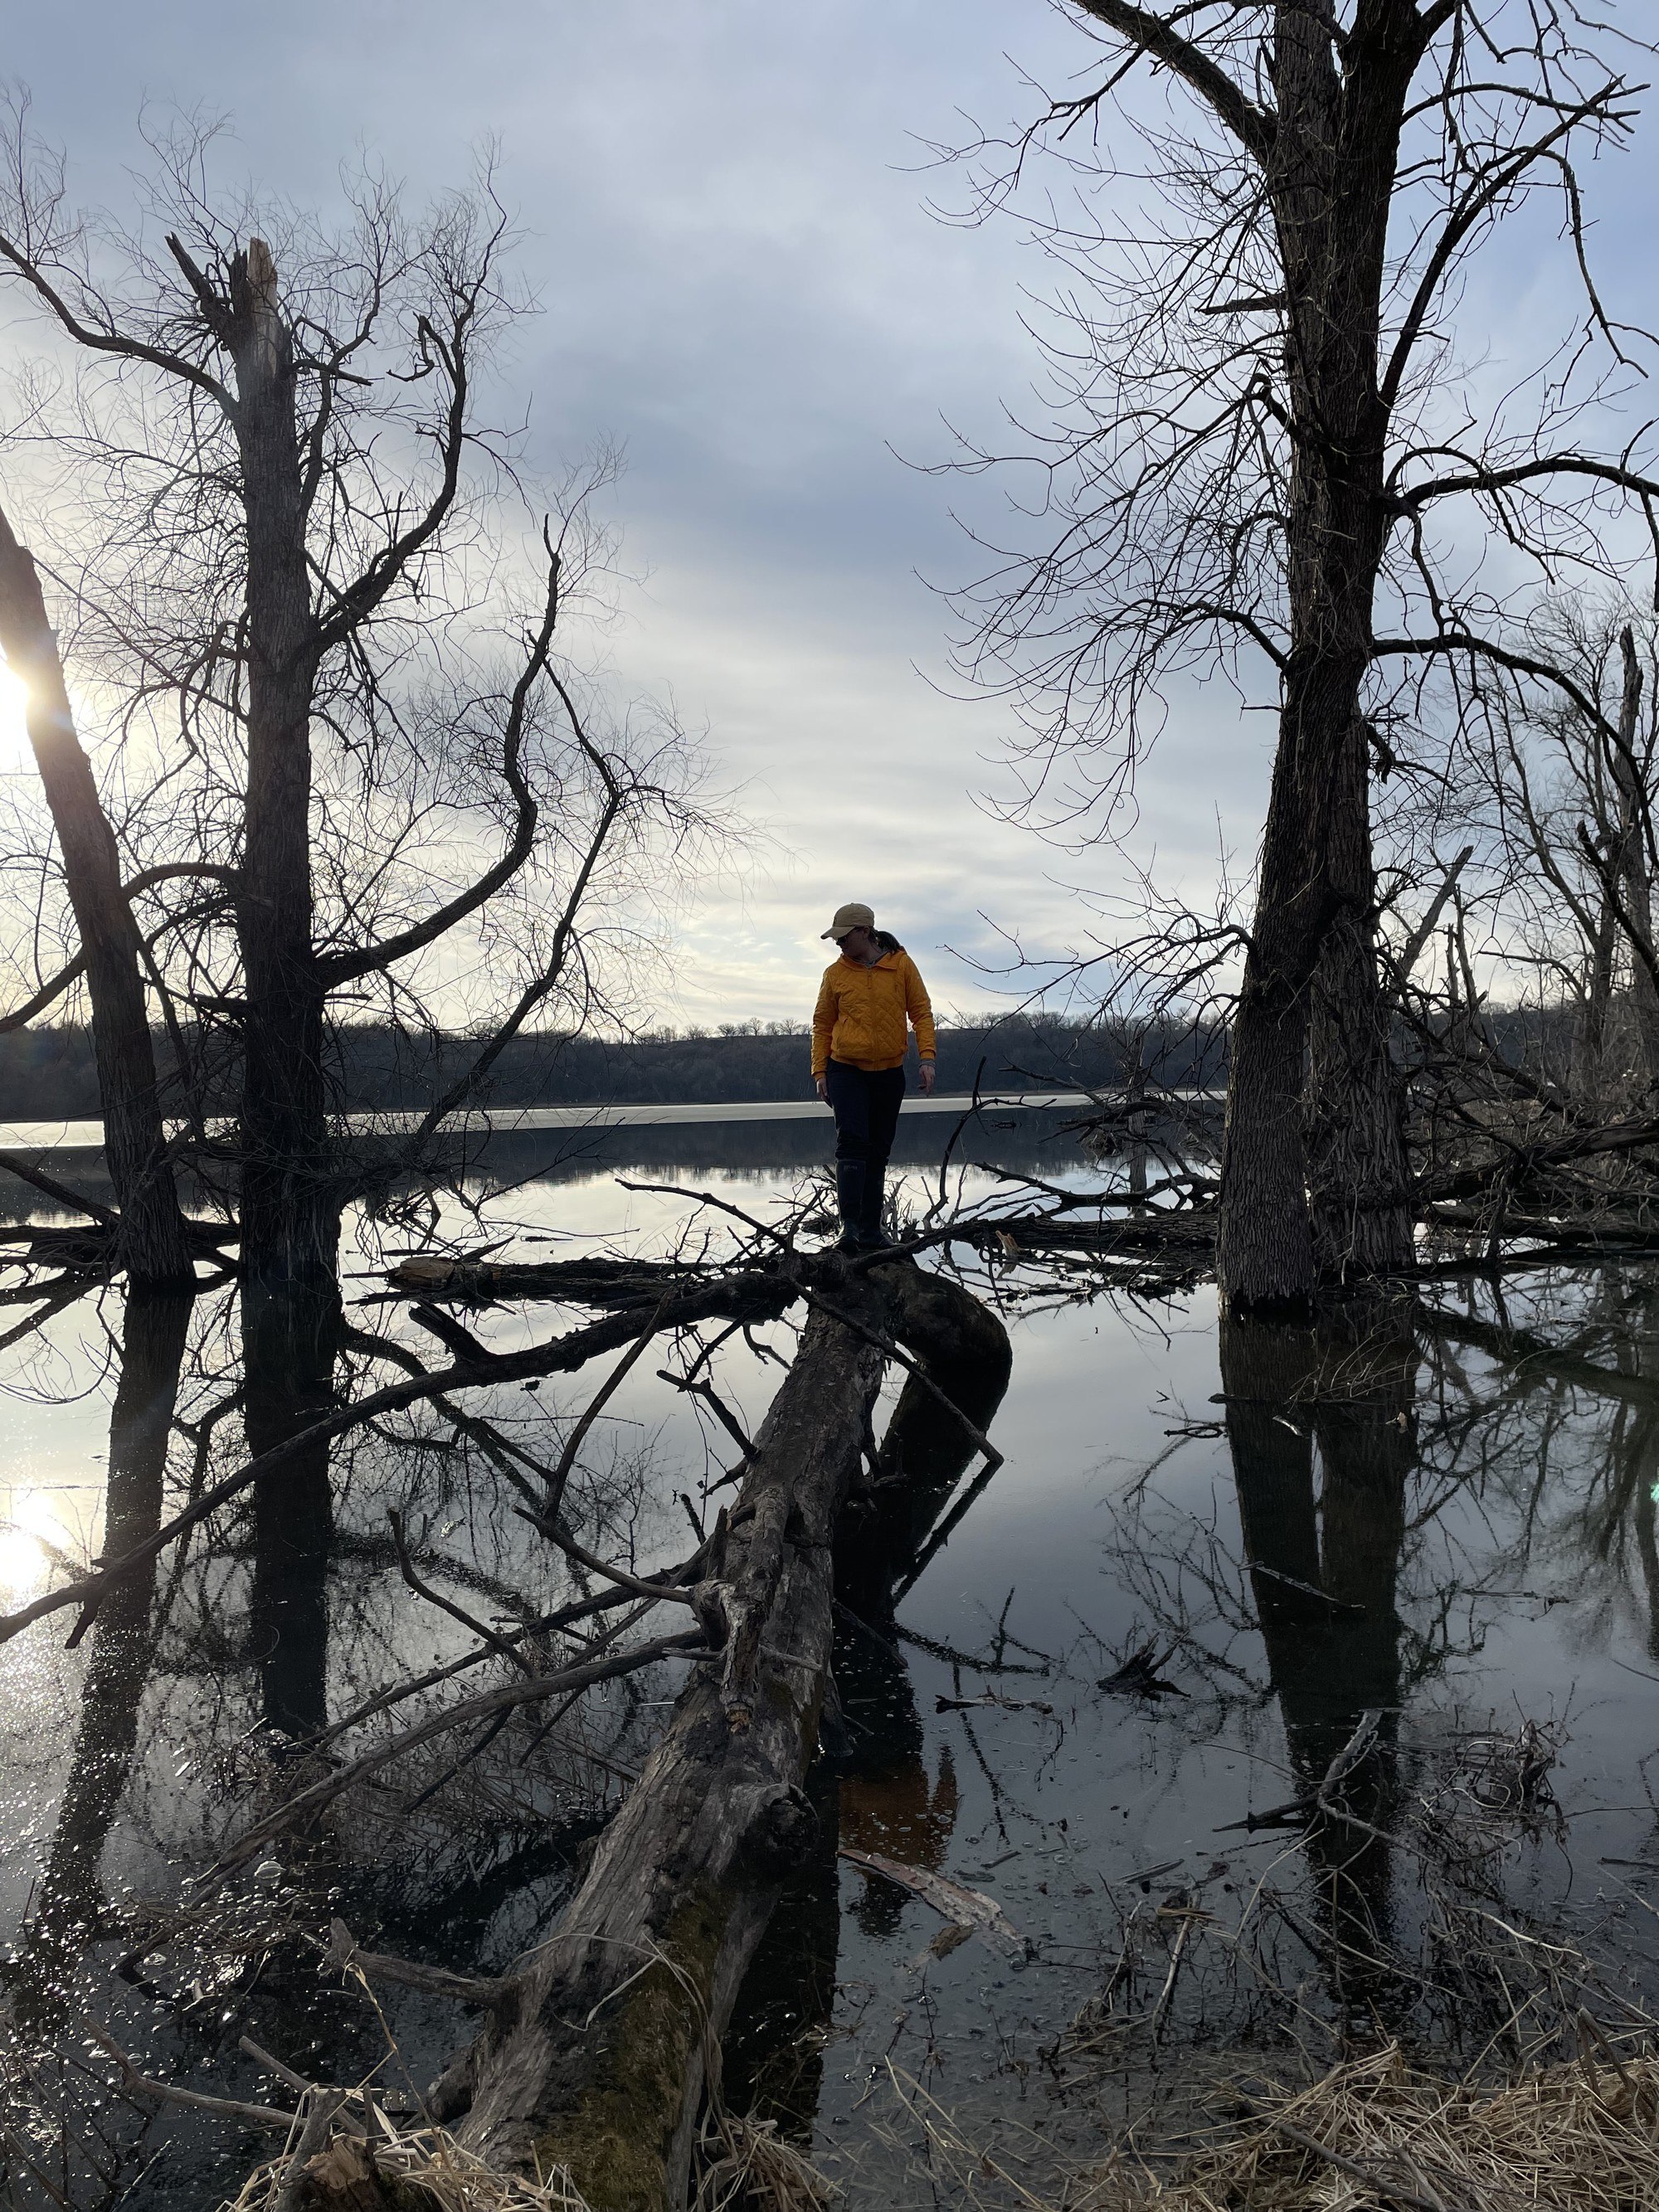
592, 2056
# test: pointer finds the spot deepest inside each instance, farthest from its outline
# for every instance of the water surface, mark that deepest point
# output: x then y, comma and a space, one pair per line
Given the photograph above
1291, 1533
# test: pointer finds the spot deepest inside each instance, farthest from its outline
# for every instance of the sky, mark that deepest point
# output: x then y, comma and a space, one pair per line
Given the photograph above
725, 218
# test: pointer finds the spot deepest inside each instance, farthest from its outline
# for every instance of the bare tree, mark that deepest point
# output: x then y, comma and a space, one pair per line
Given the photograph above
153, 1241
283, 526
1268, 467
1561, 798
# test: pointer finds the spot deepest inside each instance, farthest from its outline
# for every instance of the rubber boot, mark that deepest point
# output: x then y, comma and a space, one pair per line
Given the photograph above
872, 1237
849, 1201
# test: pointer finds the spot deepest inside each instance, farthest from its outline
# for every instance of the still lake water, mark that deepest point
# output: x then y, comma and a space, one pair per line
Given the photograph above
1457, 1538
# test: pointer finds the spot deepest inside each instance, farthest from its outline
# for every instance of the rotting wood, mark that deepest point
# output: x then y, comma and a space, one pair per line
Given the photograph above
594, 2058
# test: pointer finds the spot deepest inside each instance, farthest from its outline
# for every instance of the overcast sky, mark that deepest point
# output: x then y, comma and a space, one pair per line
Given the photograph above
725, 209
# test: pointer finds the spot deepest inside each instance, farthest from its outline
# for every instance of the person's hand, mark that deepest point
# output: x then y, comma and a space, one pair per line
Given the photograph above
926, 1079
821, 1085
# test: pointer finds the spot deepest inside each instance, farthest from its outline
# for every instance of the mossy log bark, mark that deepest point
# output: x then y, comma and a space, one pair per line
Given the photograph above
594, 2053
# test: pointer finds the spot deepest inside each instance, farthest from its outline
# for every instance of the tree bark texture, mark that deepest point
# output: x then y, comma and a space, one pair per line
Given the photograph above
151, 1241
1359, 1180
287, 1206
1330, 182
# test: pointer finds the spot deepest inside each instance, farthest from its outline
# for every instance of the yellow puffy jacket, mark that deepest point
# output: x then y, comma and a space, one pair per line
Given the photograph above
861, 1015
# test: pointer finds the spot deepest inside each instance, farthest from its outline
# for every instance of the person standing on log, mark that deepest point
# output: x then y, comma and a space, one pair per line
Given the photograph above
860, 1041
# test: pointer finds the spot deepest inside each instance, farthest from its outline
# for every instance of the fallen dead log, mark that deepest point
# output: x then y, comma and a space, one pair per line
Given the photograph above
1612, 1230
1188, 1232
592, 2057
760, 1291
93, 1248
598, 2064
756, 1293
1515, 1165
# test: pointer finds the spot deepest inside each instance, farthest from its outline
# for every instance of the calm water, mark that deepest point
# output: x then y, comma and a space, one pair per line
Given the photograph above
1422, 1527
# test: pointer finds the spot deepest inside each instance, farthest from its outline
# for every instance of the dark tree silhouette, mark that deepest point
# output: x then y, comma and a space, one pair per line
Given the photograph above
1268, 465
284, 533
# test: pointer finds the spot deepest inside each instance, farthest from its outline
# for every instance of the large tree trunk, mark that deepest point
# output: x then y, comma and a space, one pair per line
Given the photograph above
151, 1242
1330, 180
1359, 1184
286, 1204
1264, 1249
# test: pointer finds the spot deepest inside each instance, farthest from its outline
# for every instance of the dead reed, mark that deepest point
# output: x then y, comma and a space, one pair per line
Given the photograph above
421, 2167
1581, 2136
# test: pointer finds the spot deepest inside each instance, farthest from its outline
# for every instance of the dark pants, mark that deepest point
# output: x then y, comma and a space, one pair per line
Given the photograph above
867, 1110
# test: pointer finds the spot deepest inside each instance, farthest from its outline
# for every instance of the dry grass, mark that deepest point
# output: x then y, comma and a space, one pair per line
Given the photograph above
746, 2164
425, 2162
1582, 2137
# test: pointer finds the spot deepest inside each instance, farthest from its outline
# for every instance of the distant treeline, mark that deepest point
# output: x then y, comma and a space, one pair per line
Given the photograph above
47, 1074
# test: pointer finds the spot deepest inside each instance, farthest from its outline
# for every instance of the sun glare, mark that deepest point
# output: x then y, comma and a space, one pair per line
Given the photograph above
14, 732
32, 1536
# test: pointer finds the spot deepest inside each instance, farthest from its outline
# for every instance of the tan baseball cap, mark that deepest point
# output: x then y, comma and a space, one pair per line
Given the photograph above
852, 916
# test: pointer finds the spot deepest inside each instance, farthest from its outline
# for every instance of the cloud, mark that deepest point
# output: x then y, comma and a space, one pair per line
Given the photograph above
725, 211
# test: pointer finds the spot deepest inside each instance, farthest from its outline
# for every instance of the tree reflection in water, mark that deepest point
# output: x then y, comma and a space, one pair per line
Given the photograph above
1404, 1478
1323, 1559
69, 1904
290, 1338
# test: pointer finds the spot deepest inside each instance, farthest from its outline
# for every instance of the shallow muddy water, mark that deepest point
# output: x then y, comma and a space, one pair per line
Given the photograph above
1452, 1529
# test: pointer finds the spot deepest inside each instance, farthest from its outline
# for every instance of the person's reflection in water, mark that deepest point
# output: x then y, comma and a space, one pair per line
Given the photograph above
1323, 1569
289, 1339
68, 1901
889, 1803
